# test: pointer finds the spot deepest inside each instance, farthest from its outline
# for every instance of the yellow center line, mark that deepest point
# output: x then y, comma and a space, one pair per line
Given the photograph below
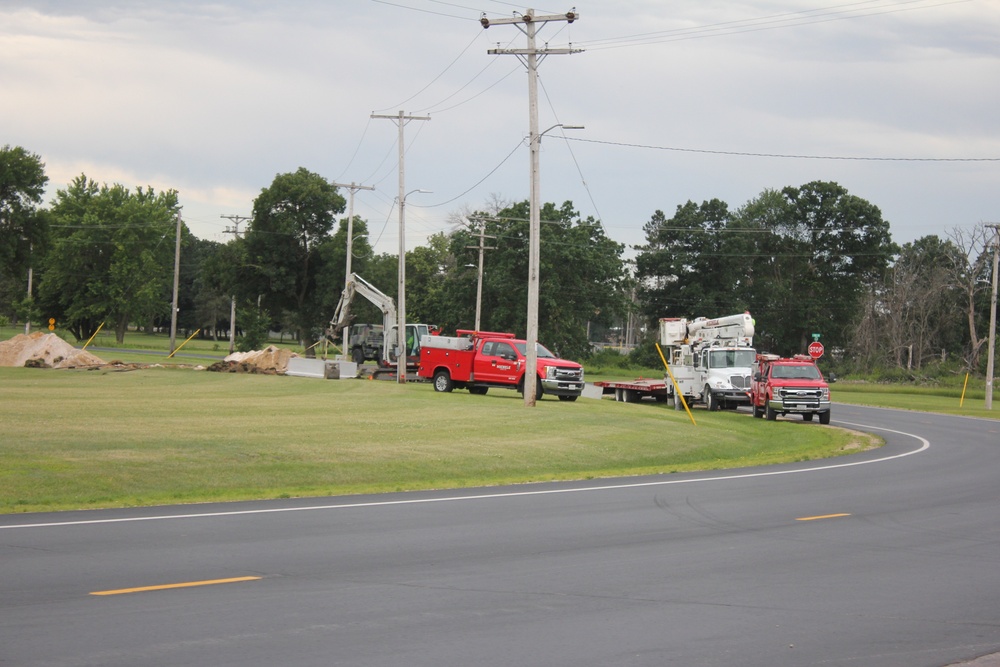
186, 584
825, 516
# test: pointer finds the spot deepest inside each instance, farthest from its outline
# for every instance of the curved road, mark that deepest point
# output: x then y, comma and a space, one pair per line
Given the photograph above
886, 558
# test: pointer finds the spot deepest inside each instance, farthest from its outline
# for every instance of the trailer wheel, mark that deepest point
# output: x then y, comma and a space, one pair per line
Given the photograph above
770, 412
442, 381
824, 417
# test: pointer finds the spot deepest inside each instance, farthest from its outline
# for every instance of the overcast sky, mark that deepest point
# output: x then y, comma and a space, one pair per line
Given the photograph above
680, 101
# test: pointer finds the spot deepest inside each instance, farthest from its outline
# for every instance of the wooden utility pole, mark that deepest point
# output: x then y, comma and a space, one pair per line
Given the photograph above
531, 56
479, 284
177, 277
235, 231
991, 349
401, 120
352, 188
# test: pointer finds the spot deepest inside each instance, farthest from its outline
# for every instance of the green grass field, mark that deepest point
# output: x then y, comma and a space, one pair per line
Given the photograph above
78, 439
102, 438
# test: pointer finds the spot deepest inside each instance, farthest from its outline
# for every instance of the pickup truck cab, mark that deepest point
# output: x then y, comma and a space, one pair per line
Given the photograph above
478, 360
792, 385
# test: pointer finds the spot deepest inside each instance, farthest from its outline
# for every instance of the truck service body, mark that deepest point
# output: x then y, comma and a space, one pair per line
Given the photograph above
709, 358
792, 385
478, 360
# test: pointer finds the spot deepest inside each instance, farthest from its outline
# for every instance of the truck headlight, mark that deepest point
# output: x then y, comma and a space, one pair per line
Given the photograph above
550, 372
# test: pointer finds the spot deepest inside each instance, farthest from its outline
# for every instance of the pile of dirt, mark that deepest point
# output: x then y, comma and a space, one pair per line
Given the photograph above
271, 360
40, 350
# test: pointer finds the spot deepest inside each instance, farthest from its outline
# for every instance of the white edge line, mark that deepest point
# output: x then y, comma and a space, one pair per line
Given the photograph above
486, 496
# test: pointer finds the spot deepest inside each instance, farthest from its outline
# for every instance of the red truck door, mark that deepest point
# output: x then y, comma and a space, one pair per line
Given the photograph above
497, 363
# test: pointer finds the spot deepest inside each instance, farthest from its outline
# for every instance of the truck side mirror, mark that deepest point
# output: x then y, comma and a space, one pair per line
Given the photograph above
757, 377
831, 378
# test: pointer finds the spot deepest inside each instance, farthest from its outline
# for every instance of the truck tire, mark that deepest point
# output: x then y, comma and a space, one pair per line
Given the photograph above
770, 413
568, 398
711, 402
824, 417
538, 388
807, 416
758, 412
478, 391
358, 356
442, 381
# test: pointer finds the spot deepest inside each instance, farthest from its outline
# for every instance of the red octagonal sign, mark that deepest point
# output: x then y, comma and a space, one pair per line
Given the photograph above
816, 349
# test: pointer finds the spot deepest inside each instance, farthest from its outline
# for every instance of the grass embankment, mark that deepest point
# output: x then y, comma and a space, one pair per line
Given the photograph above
944, 400
81, 439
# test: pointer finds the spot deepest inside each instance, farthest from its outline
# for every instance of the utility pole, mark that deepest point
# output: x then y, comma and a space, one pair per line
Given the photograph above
479, 284
993, 317
177, 277
27, 317
352, 188
530, 57
401, 120
235, 231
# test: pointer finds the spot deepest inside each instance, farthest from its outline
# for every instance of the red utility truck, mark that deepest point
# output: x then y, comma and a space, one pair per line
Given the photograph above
478, 360
792, 385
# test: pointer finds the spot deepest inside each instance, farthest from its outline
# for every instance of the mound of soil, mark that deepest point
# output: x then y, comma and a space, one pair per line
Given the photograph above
41, 350
270, 360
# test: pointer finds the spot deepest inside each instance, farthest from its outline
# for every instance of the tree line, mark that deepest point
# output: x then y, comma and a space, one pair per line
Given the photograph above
804, 260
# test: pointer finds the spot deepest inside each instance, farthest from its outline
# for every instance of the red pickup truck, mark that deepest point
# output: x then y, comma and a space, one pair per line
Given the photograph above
478, 360
789, 385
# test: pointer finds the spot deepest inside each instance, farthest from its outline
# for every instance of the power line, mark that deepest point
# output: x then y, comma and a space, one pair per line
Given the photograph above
784, 155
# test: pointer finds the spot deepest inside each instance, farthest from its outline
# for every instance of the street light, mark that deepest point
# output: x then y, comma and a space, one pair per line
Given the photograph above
531, 351
401, 310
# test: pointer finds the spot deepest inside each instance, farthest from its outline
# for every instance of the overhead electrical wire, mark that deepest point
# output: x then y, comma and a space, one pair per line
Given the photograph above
772, 22
787, 156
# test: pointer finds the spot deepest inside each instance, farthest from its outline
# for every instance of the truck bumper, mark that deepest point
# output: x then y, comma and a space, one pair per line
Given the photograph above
798, 407
561, 388
732, 396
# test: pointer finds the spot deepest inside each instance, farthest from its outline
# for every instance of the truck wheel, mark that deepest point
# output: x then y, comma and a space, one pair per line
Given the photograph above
538, 388
568, 398
757, 412
824, 417
442, 381
711, 402
358, 356
478, 391
770, 413
807, 416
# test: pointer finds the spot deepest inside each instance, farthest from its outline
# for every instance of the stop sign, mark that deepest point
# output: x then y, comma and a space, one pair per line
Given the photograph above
816, 349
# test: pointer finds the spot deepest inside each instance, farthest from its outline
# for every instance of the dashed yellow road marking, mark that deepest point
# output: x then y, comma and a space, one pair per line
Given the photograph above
186, 584
824, 516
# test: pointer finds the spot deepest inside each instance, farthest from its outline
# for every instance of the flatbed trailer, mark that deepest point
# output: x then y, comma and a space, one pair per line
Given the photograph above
633, 391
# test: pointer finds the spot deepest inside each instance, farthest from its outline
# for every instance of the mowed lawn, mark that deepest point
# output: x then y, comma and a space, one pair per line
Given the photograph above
102, 438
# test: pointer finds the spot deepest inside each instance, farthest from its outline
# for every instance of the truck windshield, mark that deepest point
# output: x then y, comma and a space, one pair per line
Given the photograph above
803, 372
730, 358
540, 351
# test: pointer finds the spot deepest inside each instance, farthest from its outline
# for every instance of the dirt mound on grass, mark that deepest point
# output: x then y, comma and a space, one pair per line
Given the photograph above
270, 360
39, 350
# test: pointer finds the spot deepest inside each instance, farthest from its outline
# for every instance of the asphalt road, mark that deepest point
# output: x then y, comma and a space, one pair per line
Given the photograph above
887, 558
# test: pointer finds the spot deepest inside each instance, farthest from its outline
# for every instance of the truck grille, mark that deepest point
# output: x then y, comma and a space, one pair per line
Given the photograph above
569, 374
740, 381
801, 397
